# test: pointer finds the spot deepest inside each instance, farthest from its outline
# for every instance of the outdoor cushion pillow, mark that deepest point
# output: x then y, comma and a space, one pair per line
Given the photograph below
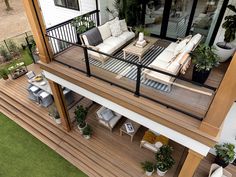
115, 29
107, 114
93, 36
123, 25
105, 31
218, 172
196, 38
180, 46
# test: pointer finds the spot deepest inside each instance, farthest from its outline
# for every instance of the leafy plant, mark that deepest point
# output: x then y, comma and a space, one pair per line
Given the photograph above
164, 158
5, 53
82, 24
145, 31
3, 73
147, 166
204, 58
225, 152
230, 25
88, 131
80, 115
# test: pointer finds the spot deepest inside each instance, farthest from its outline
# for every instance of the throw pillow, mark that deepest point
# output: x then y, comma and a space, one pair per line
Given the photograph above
123, 25
93, 36
105, 31
115, 29
218, 172
107, 114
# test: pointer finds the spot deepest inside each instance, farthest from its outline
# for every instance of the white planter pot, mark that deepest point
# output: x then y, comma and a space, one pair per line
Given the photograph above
87, 137
224, 54
161, 173
149, 173
58, 121
81, 129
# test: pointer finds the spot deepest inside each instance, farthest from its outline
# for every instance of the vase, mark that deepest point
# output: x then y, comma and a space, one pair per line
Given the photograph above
224, 51
161, 173
81, 128
148, 173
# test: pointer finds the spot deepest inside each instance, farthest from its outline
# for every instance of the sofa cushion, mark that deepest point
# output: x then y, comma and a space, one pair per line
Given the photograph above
172, 47
123, 25
115, 29
173, 68
93, 36
218, 172
127, 35
165, 56
112, 21
105, 31
107, 114
180, 46
196, 38
114, 42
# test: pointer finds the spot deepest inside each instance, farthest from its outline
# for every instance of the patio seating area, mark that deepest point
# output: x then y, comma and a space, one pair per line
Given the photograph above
125, 154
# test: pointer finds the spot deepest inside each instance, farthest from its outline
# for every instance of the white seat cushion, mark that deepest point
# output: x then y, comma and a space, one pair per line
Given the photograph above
105, 31
171, 47
105, 48
165, 56
127, 35
180, 46
114, 42
196, 38
123, 25
159, 64
218, 172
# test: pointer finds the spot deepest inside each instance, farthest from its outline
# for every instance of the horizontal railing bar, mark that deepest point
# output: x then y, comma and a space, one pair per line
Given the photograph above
137, 64
68, 21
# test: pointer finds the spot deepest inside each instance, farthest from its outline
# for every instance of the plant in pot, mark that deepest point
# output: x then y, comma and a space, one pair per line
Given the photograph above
87, 132
4, 74
224, 49
80, 116
148, 167
82, 24
164, 159
224, 154
204, 59
54, 114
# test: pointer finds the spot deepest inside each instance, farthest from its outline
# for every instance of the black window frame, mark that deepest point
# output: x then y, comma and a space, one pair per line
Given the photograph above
66, 5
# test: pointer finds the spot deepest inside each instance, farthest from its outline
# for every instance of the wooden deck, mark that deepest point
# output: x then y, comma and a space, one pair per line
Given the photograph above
192, 102
106, 154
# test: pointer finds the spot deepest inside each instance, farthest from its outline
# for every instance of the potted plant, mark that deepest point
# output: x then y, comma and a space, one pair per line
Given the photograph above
224, 49
164, 159
80, 116
4, 74
57, 119
224, 154
204, 59
148, 167
87, 132
82, 24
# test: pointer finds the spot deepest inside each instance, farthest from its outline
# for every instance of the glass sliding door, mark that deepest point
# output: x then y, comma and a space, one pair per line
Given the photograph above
179, 18
154, 15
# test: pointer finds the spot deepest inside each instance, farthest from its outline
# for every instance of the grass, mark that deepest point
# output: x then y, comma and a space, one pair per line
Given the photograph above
22, 155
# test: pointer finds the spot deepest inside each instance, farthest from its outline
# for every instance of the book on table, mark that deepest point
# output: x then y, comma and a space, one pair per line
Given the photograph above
129, 127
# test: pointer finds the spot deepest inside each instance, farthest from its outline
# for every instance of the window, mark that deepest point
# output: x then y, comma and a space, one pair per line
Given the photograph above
70, 4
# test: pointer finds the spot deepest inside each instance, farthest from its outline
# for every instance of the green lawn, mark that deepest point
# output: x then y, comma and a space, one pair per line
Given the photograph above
22, 155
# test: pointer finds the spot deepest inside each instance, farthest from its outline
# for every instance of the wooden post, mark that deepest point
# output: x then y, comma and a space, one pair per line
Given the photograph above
224, 98
191, 163
60, 104
38, 29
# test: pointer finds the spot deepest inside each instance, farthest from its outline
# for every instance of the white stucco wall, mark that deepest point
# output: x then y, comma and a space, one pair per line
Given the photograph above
221, 32
54, 15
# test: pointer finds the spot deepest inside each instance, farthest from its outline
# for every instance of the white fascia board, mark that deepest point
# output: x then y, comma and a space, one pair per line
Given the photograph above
142, 120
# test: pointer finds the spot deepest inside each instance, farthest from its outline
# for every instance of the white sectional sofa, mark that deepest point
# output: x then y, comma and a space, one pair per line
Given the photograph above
114, 34
174, 59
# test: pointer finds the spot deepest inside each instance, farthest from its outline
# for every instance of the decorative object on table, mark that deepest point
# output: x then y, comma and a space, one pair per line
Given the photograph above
87, 132
80, 117
204, 59
141, 41
129, 127
224, 154
164, 158
43, 83
30, 75
38, 78
82, 24
224, 49
107, 117
153, 141
148, 167
17, 70
3, 74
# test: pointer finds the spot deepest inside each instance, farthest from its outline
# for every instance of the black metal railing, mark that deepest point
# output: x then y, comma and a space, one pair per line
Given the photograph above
67, 32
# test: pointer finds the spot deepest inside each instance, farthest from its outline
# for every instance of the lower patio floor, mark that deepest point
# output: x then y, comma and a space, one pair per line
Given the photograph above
105, 154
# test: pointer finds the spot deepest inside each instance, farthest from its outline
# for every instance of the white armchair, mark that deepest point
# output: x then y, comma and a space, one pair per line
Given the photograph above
108, 118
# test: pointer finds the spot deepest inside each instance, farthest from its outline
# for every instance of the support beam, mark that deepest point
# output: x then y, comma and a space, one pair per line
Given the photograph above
222, 102
60, 104
191, 163
38, 29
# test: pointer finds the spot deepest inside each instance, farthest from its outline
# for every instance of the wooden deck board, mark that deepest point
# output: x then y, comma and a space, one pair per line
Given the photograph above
118, 154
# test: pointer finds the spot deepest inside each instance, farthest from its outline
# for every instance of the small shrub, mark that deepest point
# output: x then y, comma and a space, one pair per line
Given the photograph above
5, 53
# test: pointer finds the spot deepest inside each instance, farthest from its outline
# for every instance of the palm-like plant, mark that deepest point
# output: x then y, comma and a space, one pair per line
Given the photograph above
82, 24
